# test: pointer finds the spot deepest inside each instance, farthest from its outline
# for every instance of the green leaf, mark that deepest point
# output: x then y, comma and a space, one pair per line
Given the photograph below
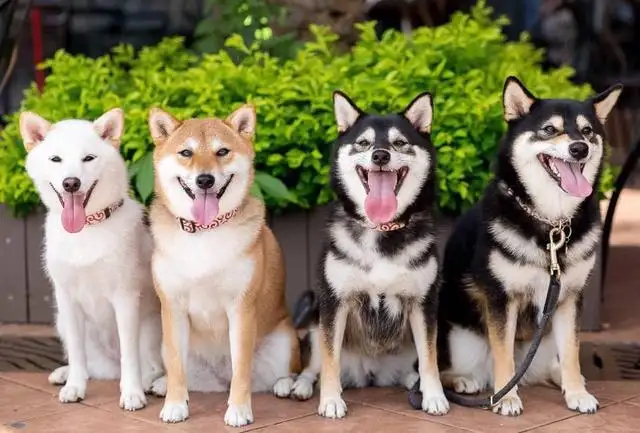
144, 177
256, 192
273, 187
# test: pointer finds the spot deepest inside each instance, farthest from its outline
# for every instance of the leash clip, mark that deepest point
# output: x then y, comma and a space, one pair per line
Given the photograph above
553, 246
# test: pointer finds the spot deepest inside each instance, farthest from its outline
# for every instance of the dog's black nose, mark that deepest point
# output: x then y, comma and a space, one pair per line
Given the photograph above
205, 181
380, 157
71, 184
579, 150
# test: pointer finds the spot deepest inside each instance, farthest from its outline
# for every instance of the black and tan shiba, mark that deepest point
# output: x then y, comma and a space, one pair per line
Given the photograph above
377, 282
496, 268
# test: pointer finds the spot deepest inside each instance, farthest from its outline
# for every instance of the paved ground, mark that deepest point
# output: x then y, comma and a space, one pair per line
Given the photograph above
28, 403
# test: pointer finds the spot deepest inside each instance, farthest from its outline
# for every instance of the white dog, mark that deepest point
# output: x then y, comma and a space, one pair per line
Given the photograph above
97, 254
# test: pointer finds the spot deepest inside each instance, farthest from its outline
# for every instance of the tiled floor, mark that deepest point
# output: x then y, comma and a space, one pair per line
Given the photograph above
28, 403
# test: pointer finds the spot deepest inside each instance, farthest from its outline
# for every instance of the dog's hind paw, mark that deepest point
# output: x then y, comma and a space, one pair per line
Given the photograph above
581, 401
332, 407
59, 375
466, 385
510, 405
283, 387
159, 387
302, 388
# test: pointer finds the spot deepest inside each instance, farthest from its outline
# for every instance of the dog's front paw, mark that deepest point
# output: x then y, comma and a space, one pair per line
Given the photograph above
173, 412
238, 415
332, 407
283, 387
71, 393
59, 375
302, 388
132, 399
435, 403
581, 401
159, 387
510, 405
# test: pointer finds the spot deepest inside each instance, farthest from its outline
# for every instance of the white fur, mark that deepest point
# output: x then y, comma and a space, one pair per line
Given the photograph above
108, 315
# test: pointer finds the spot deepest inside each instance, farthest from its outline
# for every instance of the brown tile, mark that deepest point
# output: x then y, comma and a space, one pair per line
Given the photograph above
617, 418
88, 419
542, 405
362, 418
18, 403
206, 411
614, 390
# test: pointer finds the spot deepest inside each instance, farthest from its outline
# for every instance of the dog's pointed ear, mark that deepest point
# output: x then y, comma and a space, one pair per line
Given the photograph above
243, 120
517, 100
346, 111
420, 112
161, 125
604, 102
110, 126
33, 129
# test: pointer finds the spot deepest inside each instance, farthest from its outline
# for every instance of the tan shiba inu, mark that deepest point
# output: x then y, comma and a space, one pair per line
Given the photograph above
217, 268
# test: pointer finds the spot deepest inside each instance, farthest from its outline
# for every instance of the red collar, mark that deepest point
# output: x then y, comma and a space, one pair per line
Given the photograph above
101, 215
192, 226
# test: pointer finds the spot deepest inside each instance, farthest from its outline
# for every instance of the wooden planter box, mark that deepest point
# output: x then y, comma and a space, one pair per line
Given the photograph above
26, 295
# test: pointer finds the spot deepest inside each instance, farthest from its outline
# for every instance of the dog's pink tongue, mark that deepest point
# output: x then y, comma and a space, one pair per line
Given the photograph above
205, 208
73, 214
381, 202
571, 178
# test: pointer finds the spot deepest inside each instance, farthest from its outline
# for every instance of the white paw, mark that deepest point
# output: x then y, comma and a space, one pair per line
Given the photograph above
133, 399
302, 388
510, 405
283, 387
434, 402
148, 380
174, 412
59, 375
159, 386
238, 415
332, 407
581, 401
466, 385
71, 393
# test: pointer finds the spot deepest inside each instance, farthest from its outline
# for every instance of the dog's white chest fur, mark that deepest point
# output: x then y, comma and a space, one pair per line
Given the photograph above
529, 275
366, 270
206, 272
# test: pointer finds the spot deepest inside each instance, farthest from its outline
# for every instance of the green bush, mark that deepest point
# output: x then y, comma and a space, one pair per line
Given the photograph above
464, 63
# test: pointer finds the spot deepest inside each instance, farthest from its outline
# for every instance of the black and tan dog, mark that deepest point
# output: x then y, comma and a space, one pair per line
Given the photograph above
496, 267
377, 282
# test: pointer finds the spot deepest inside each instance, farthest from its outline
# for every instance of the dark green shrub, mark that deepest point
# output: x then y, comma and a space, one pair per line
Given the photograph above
464, 63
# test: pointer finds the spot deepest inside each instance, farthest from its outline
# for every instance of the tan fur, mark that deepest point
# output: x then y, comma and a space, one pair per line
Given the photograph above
502, 340
261, 307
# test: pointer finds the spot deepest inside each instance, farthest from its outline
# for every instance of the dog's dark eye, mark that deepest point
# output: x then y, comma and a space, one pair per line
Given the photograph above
400, 143
550, 130
587, 130
88, 158
222, 152
187, 153
363, 143
55, 159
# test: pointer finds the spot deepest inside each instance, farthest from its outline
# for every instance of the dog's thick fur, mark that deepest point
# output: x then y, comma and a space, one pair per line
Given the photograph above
225, 322
108, 316
377, 288
496, 265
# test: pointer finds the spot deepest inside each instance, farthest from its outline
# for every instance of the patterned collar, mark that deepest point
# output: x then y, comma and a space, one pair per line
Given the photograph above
192, 226
561, 223
386, 227
101, 215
